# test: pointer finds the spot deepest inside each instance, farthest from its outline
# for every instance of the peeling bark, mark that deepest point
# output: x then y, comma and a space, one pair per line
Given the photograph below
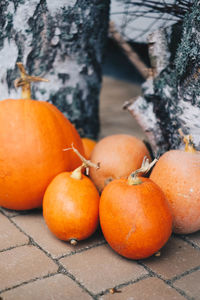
62, 41
171, 100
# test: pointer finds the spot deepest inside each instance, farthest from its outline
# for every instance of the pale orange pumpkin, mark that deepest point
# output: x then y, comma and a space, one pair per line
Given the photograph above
177, 173
32, 138
118, 156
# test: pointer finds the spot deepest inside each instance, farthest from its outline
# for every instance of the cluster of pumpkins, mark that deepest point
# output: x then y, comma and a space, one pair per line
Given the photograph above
44, 163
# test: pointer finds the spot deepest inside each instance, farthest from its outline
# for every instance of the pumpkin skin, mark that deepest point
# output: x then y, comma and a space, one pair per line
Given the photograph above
118, 156
177, 172
33, 136
135, 219
88, 146
71, 207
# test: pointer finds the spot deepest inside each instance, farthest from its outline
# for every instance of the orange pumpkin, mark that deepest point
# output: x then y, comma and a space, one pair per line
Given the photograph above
118, 155
178, 174
71, 206
135, 217
88, 145
33, 136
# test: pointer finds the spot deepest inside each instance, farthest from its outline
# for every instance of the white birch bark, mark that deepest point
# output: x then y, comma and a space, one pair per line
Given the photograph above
62, 41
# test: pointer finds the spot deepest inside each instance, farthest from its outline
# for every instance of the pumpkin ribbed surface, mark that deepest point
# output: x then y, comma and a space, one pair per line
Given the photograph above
33, 136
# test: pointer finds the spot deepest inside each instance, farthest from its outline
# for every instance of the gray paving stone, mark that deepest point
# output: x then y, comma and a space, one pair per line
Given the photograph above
10, 236
34, 225
194, 238
177, 256
101, 268
22, 264
58, 287
146, 289
190, 284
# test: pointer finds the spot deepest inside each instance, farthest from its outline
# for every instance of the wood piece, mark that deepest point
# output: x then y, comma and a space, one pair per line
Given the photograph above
131, 54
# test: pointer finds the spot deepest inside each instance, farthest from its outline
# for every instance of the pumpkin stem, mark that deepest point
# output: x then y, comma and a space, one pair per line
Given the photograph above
133, 178
73, 242
25, 81
77, 174
188, 140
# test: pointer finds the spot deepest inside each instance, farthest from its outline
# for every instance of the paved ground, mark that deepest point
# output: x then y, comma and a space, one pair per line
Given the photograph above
36, 265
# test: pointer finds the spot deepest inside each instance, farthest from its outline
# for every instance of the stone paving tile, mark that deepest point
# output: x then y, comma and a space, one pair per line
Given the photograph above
58, 287
177, 256
145, 289
34, 225
22, 264
10, 236
190, 284
194, 238
101, 268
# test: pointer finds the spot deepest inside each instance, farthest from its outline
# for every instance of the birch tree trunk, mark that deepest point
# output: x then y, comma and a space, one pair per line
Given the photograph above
171, 97
62, 41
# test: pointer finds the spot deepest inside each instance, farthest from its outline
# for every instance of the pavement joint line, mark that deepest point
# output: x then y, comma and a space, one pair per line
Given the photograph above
18, 212
3, 213
97, 244
186, 239
187, 272
183, 293
13, 247
32, 242
64, 271
61, 270
166, 281
29, 281
122, 285
55, 260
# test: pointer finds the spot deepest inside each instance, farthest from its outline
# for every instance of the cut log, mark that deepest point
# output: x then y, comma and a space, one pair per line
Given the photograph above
171, 97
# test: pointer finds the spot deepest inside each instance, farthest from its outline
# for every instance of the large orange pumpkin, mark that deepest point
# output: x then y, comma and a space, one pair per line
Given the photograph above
135, 217
177, 172
118, 155
32, 138
71, 206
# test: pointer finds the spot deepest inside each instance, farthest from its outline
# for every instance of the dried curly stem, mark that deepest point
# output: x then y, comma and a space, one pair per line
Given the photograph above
188, 140
133, 179
77, 174
25, 81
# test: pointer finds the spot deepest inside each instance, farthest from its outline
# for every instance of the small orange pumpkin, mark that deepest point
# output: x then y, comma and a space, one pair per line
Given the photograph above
71, 206
134, 216
32, 138
118, 155
177, 173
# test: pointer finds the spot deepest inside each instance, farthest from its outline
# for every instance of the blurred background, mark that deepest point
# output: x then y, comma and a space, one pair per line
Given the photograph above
134, 21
